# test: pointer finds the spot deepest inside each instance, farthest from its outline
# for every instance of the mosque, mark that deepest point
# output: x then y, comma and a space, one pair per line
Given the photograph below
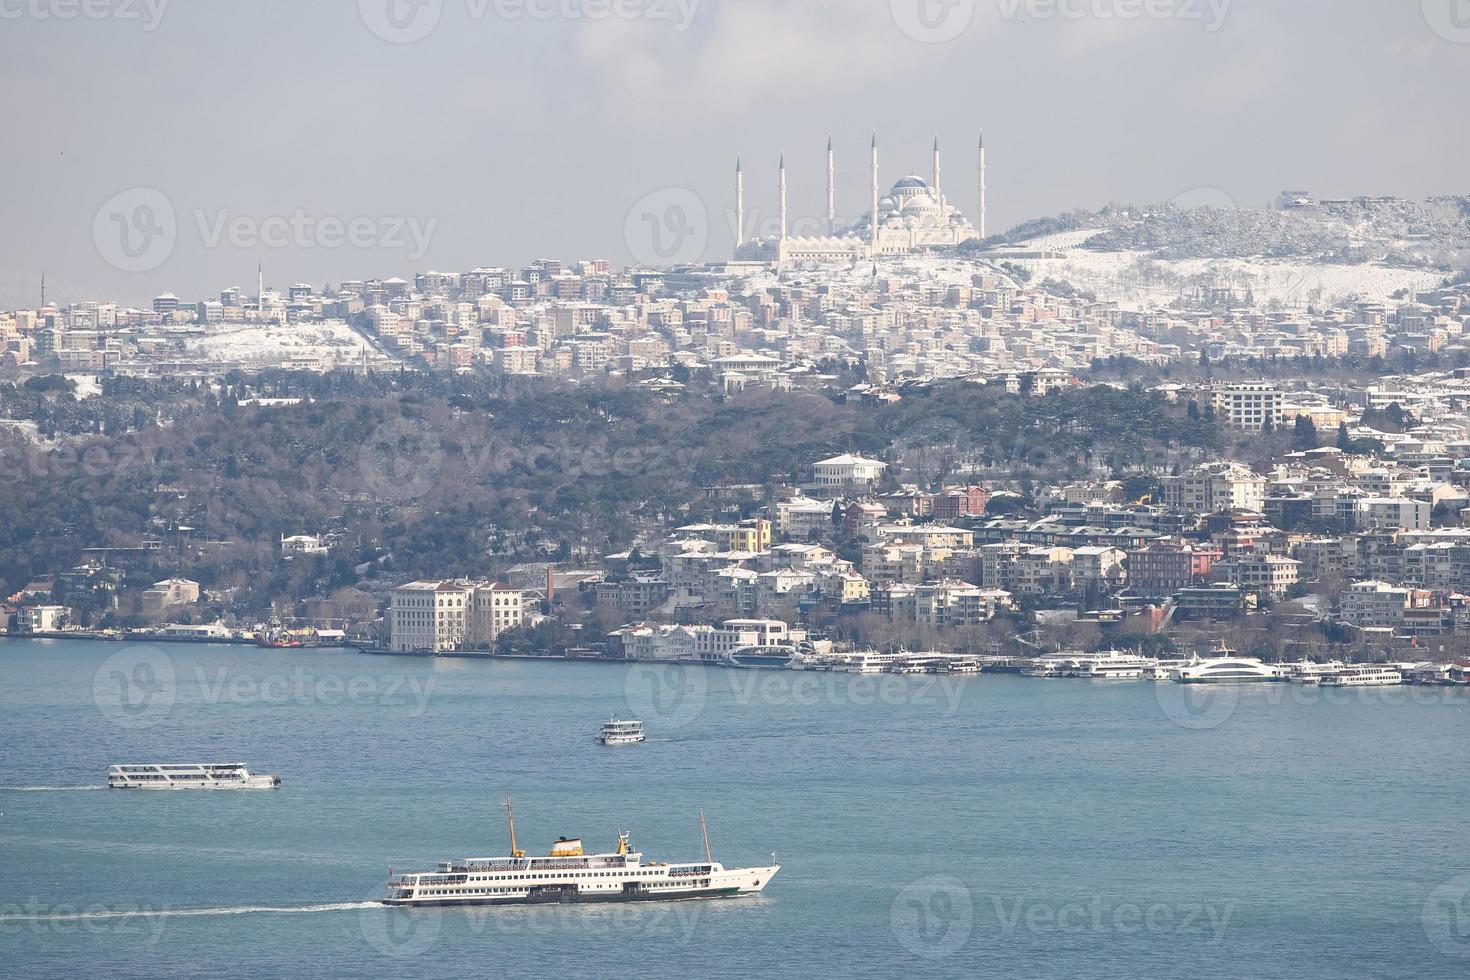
916, 216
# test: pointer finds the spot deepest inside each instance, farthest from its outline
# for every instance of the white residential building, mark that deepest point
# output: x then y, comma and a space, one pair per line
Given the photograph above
446, 616
848, 471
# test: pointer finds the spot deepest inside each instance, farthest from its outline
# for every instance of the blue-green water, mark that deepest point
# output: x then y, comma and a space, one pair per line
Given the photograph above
992, 826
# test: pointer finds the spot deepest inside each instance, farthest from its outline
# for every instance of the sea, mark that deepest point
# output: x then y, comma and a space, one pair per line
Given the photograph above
925, 826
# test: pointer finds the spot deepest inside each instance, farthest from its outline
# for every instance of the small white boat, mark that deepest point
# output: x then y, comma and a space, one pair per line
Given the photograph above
199, 775
617, 732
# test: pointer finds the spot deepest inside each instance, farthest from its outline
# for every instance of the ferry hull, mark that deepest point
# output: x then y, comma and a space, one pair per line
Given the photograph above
568, 898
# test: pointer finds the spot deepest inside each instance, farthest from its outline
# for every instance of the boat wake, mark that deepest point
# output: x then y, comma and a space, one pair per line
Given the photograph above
47, 789
141, 913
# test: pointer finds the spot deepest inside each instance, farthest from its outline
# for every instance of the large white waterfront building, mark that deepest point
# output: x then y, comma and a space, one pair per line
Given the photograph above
435, 617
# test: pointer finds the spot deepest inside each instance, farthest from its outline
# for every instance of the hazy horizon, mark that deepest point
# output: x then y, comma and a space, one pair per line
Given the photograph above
516, 129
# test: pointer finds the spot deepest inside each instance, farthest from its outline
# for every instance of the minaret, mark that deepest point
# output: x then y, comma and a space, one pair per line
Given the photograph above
873, 222
831, 190
260, 288
783, 197
981, 229
739, 203
938, 196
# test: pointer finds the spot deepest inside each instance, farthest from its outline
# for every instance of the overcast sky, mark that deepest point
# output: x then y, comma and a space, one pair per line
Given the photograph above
154, 145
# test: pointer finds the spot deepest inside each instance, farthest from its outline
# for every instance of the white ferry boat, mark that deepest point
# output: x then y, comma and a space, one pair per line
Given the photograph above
1228, 670
1110, 666
1164, 670
1309, 672
617, 732
871, 662
569, 874
218, 775
1366, 676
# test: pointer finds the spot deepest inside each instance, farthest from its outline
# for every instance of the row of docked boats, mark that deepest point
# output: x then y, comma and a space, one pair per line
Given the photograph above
1221, 666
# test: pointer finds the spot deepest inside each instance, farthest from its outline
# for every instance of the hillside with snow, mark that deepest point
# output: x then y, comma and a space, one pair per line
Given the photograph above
1310, 254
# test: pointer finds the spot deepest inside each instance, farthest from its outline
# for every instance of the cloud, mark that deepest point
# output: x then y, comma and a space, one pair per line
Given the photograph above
742, 55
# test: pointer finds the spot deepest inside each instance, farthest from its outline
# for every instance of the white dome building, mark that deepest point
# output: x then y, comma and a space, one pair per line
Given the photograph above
914, 217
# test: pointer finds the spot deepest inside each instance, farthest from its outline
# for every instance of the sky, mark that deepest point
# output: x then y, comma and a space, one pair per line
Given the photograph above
173, 145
